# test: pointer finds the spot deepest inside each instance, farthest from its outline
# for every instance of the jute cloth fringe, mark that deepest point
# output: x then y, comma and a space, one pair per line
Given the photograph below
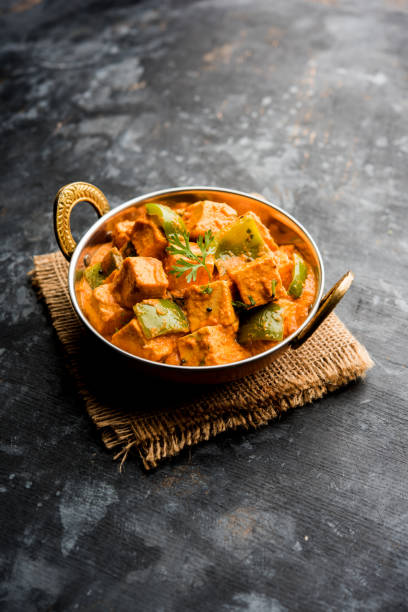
159, 420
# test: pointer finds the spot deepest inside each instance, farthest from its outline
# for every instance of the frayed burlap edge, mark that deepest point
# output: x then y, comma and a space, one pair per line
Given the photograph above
331, 359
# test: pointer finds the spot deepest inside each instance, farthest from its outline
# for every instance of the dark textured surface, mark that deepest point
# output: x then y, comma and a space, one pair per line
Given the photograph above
307, 103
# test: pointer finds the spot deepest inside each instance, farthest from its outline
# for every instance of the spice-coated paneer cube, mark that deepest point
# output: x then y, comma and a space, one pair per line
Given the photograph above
139, 278
121, 233
225, 266
210, 304
103, 311
179, 284
131, 339
205, 215
211, 345
258, 281
148, 239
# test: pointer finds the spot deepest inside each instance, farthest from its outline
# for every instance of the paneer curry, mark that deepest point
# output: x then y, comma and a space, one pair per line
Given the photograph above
194, 285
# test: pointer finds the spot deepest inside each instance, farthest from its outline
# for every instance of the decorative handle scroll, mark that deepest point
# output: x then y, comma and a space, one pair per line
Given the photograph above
328, 303
65, 200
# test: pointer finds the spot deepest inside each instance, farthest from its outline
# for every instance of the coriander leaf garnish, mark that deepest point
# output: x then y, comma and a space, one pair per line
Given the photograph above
238, 305
273, 288
207, 289
179, 244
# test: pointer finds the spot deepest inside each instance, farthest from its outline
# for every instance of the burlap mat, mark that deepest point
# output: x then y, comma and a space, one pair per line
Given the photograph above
159, 419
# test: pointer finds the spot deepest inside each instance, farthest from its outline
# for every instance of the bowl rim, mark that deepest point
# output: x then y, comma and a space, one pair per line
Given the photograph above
171, 191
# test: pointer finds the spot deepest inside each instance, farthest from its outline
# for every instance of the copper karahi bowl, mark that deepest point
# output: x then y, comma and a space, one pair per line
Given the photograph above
284, 227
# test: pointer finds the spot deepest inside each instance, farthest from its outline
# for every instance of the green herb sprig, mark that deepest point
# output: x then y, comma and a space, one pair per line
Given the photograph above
273, 288
207, 290
179, 244
240, 306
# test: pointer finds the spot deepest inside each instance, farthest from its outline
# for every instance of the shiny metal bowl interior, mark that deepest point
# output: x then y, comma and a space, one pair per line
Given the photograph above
284, 229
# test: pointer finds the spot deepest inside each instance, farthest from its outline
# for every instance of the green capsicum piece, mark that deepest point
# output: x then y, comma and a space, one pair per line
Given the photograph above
169, 220
164, 317
299, 276
264, 324
241, 238
94, 275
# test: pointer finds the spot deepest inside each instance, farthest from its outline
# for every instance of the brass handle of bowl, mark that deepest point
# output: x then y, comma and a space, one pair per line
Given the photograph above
67, 197
328, 303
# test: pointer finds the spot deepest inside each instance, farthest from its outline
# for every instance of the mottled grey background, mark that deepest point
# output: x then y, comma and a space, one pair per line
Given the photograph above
306, 102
